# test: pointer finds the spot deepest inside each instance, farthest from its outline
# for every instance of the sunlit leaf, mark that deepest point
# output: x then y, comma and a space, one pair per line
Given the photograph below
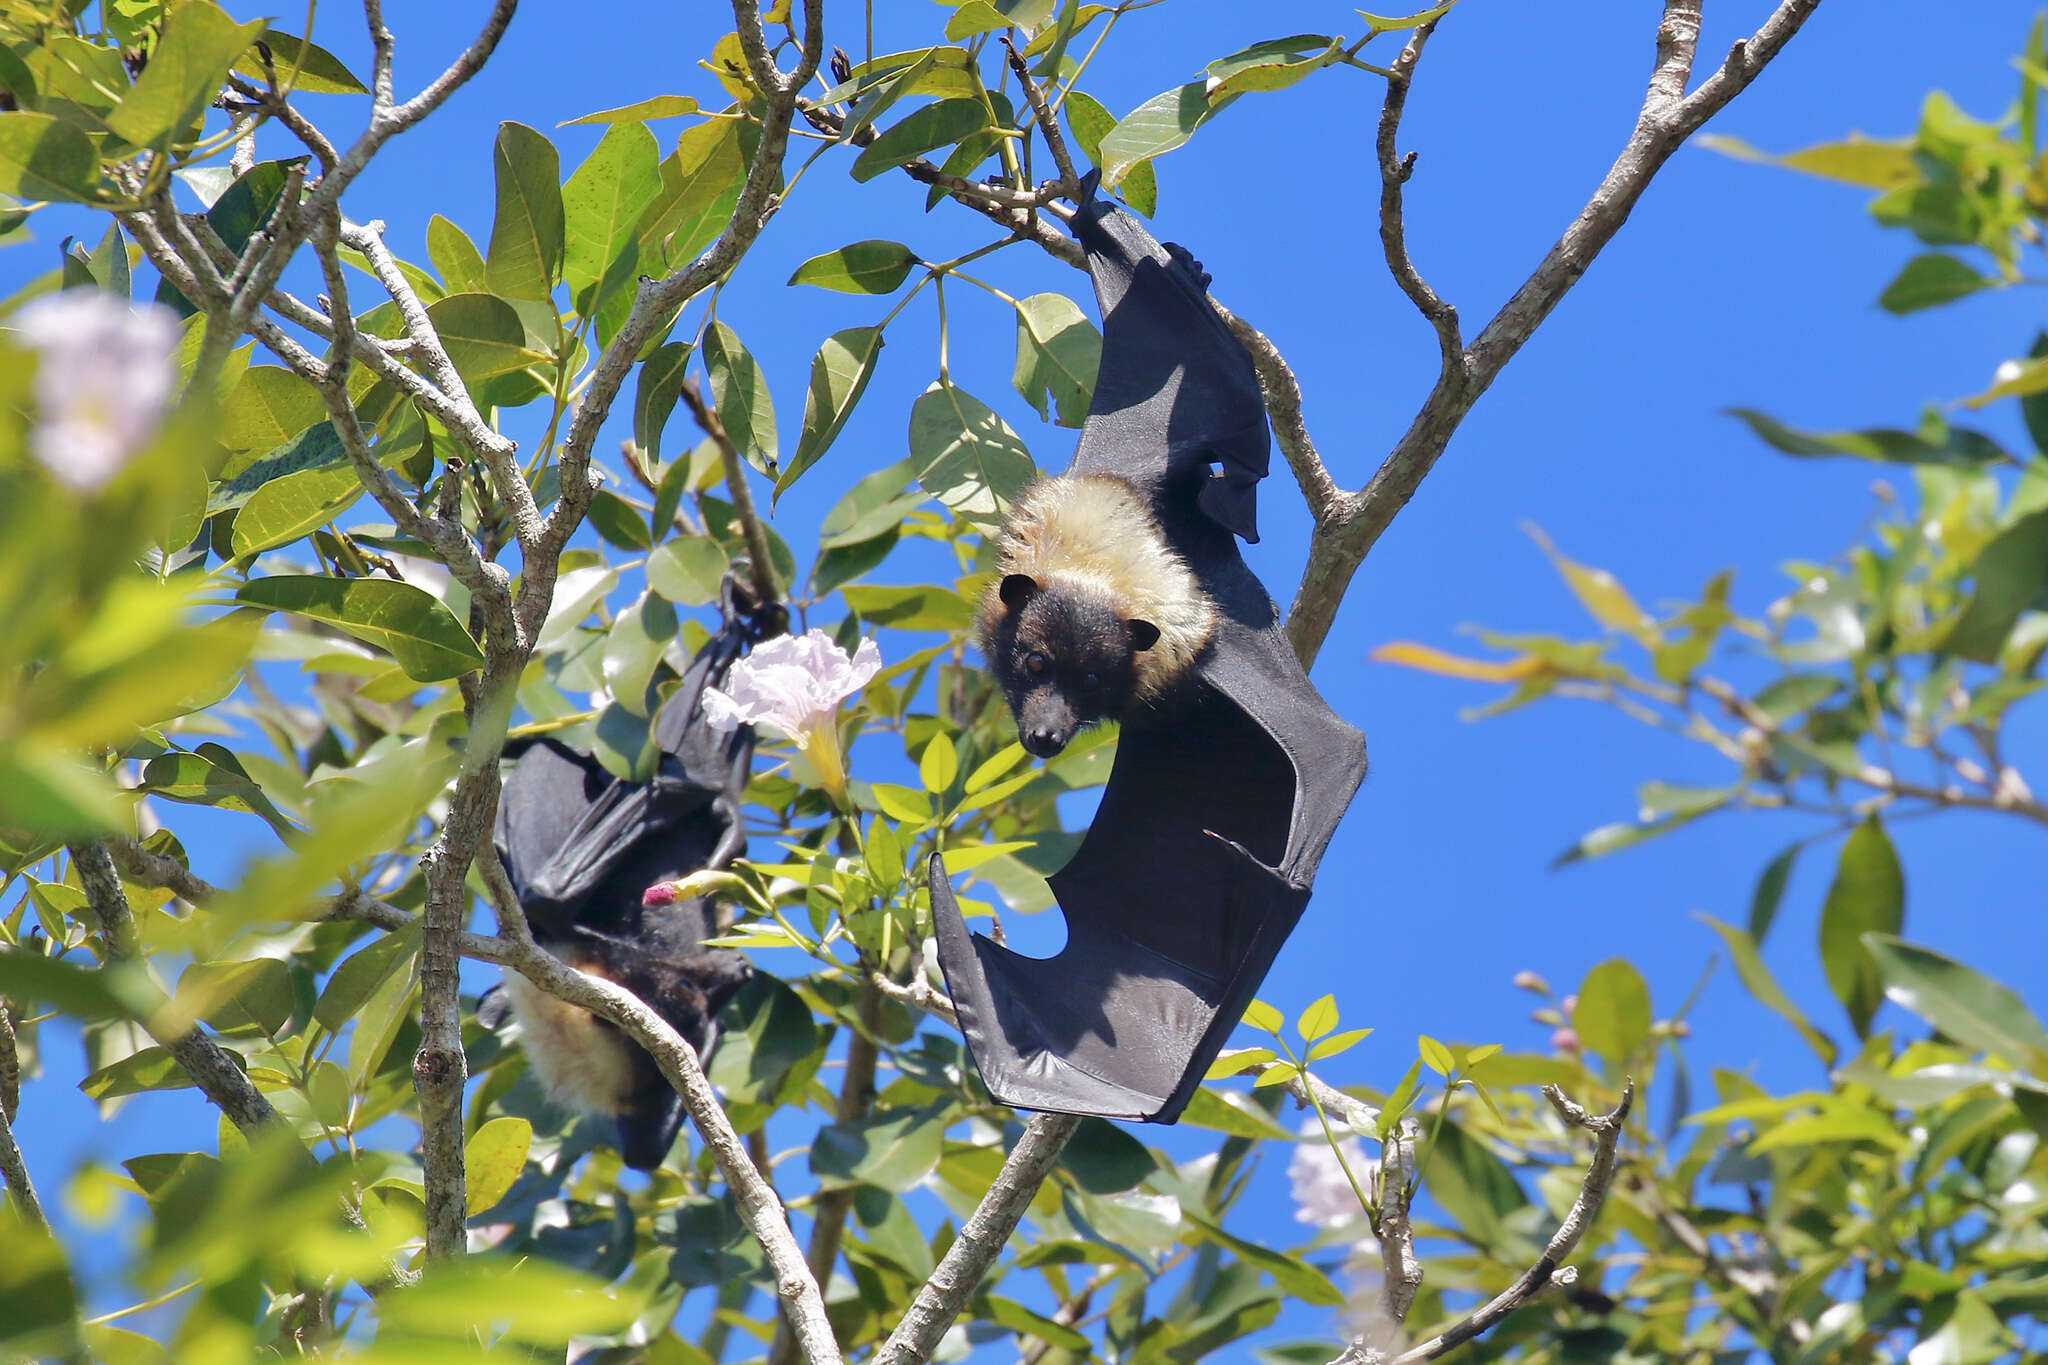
1868, 896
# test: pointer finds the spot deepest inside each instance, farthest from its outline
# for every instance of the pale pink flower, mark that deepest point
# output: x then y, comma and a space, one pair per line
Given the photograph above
1323, 1197
794, 685
104, 379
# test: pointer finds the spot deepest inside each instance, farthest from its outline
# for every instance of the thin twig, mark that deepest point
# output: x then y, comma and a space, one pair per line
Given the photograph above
761, 565
1394, 172
1055, 141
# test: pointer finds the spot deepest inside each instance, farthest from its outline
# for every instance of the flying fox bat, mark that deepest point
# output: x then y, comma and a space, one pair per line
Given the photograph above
581, 847
1122, 594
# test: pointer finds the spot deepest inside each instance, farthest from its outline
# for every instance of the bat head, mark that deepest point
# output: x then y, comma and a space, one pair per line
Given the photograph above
1064, 656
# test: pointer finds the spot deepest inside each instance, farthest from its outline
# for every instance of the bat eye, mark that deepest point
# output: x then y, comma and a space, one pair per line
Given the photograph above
1034, 663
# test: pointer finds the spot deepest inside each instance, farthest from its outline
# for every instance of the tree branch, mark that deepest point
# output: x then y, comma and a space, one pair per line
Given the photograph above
1546, 1272
1355, 522
209, 1065
828, 1216
493, 448
13, 1169
981, 1240
759, 1207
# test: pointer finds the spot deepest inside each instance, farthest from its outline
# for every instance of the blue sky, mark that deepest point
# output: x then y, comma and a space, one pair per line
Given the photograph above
1733, 284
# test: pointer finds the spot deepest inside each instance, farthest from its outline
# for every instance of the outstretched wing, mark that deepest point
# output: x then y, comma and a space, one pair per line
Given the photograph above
1200, 858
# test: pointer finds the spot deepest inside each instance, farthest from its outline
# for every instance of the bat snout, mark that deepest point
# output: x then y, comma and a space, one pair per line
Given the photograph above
1044, 741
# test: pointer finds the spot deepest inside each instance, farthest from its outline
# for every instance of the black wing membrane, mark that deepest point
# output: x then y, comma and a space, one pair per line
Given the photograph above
581, 846
1199, 861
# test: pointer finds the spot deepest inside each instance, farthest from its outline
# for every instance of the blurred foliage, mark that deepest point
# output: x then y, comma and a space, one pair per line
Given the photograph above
226, 623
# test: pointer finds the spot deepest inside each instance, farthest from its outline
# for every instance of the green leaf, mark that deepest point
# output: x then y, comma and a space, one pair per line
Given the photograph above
460, 264
1318, 1019
1881, 444
687, 570
1868, 896
1264, 1017
936, 125
492, 1160
1104, 1159
257, 994
739, 391
655, 393
1025, 1323
350, 986
633, 647
211, 776
1337, 1042
1473, 1186
1244, 1060
1662, 799
1232, 1112
525, 256
43, 157
153, 1068
700, 183
1058, 353
1969, 1007
268, 407
1770, 890
1273, 64
967, 456
619, 522
320, 72
1300, 1279
1154, 128
1090, 122
284, 509
894, 1150
1757, 979
870, 267
939, 765
839, 376
602, 205
1435, 1055
1613, 1014
660, 106
186, 65
2011, 575
1930, 280
409, 623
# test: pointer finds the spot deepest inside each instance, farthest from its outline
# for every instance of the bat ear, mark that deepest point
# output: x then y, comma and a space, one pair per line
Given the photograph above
1144, 635
1017, 589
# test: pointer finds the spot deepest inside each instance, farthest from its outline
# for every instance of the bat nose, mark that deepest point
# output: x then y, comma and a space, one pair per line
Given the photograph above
1044, 741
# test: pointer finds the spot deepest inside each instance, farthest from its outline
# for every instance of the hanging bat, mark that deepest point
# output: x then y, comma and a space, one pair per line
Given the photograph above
581, 847
1121, 594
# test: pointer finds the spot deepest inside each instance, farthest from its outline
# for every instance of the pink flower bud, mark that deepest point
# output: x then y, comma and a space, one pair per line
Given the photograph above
1529, 981
1565, 1040
659, 894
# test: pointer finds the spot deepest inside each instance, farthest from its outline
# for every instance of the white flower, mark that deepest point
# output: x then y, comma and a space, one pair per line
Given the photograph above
795, 686
1323, 1196
103, 381
2007, 371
